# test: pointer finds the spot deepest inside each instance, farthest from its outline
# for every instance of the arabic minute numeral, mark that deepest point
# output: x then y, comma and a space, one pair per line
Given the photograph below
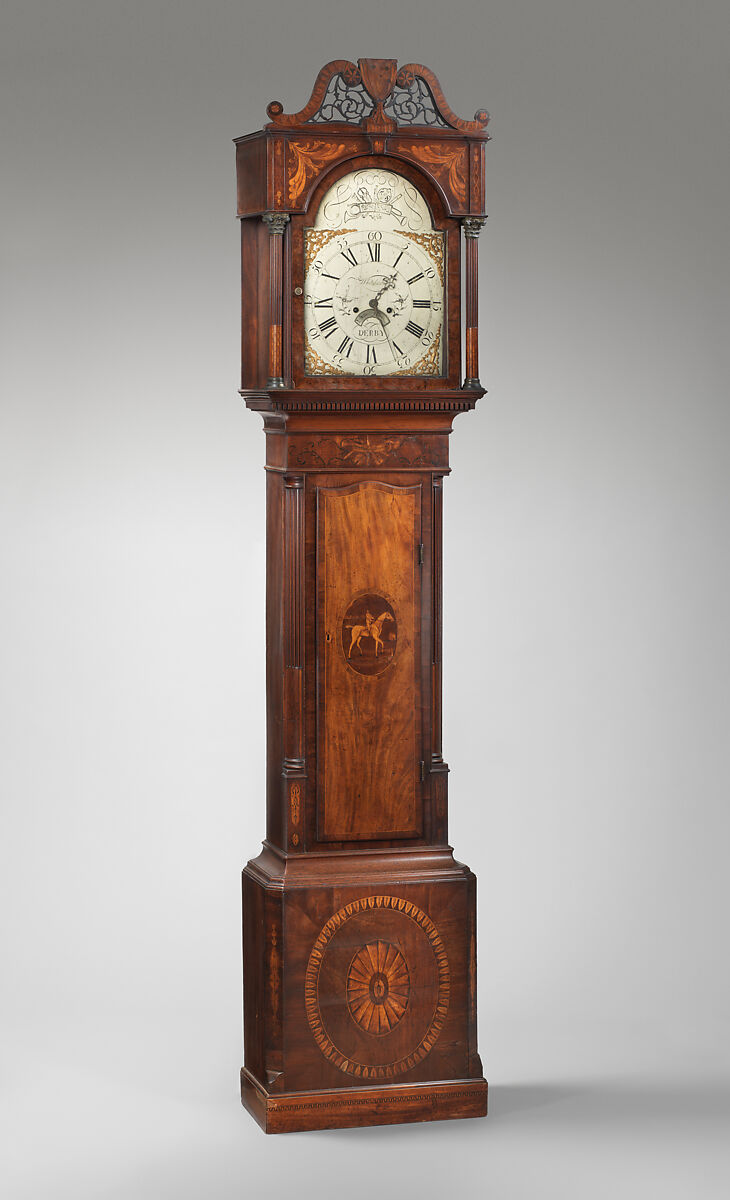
416, 330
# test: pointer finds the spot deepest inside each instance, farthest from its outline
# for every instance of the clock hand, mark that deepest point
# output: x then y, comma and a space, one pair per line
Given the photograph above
389, 282
383, 322
372, 310
392, 351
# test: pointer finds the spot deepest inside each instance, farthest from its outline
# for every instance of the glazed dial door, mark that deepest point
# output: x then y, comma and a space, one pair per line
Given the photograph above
374, 280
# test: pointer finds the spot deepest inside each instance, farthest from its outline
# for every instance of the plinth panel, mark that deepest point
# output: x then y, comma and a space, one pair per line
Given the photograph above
371, 1014
377, 985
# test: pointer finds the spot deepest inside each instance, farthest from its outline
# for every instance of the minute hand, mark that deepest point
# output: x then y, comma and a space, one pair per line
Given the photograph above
389, 282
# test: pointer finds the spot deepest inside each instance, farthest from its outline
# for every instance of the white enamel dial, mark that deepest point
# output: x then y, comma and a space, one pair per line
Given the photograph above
373, 286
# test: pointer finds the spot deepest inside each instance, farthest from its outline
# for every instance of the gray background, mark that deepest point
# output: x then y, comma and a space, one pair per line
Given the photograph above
586, 681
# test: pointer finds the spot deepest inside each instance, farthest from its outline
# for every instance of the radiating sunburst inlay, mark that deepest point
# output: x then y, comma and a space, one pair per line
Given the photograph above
378, 984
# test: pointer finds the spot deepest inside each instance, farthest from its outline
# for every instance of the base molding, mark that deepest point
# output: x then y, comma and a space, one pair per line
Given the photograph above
345, 1108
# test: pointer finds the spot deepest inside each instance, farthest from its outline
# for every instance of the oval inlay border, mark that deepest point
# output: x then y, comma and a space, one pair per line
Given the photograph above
369, 638
311, 980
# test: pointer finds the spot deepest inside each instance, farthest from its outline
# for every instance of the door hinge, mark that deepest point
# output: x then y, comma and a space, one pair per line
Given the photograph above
420, 554
423, 771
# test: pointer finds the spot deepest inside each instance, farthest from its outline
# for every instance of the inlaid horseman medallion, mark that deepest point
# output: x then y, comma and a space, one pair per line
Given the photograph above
369, 634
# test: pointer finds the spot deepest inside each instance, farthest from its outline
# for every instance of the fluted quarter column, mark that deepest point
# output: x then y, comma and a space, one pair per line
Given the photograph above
294, 614
277, 222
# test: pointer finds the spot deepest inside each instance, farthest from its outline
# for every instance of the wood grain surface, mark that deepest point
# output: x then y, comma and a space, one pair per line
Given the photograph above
367, 548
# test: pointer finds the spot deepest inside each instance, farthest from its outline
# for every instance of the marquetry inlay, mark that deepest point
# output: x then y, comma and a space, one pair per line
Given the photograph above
384, 911
378, 984
369, 634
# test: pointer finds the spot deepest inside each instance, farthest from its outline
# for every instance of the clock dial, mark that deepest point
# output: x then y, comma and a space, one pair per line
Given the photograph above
374, 284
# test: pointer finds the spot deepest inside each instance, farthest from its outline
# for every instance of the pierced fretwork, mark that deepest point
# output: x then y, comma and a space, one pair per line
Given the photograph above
414, 105
343, 102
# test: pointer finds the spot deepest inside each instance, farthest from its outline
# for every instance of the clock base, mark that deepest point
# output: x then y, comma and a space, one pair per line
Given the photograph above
346, 1108
355, 979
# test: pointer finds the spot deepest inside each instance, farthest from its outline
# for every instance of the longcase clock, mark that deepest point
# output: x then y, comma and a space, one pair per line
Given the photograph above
359, 220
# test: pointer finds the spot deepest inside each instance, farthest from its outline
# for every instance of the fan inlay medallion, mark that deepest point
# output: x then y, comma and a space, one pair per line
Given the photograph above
378, 984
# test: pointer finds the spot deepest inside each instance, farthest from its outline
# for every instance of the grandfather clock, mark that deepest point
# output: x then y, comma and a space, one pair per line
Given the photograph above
359, 221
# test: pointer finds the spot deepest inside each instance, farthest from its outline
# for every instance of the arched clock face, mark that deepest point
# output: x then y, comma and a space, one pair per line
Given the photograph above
374, 281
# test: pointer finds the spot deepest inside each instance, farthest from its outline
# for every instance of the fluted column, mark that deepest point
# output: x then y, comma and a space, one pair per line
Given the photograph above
472, 227
294, 764
277, 222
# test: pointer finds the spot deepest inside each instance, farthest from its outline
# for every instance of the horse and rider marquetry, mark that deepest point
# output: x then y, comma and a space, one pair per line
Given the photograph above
369, 640
371, 628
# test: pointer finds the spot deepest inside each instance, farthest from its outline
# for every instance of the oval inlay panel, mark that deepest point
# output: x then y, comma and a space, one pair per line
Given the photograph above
378, 1012
369, 634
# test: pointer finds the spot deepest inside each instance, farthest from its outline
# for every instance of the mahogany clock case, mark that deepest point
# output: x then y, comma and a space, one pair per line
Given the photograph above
359, 928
